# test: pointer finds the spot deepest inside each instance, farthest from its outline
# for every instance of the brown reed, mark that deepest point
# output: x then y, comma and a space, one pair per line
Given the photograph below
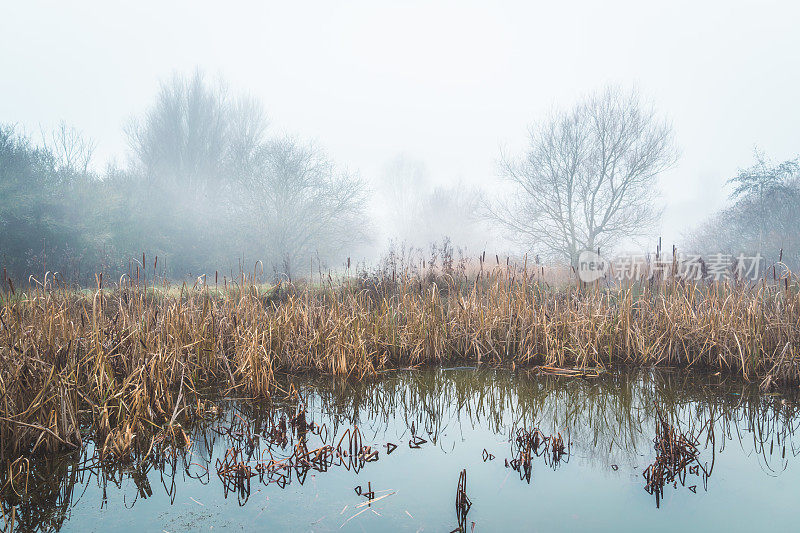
130, 362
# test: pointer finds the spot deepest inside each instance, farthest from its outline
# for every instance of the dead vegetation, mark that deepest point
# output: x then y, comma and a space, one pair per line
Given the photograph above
126, 365
242, 446
677, 458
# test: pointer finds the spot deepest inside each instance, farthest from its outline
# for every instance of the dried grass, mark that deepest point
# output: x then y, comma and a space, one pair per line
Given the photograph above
130, 361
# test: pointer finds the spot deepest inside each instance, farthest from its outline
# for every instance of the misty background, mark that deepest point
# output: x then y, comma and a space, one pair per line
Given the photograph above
304, 134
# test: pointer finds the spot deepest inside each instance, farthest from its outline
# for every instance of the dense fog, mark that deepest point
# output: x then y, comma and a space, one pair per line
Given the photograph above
206, 183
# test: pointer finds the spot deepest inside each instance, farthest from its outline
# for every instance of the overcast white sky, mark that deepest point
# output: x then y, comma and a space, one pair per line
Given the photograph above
449, 83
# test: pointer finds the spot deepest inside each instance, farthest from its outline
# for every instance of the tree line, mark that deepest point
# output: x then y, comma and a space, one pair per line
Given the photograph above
762, 218
208, 187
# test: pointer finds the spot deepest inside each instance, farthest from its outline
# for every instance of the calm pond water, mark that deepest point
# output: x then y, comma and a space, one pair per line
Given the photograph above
736, 468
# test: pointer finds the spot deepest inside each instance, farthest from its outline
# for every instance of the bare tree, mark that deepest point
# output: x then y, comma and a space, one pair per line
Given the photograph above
188, 151
762, 217
299, 207
195, 135
764, 180
72, 151
417, 212
403, 185
588, 177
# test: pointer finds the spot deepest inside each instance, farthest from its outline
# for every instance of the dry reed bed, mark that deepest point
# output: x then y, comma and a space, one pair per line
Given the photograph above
123, 367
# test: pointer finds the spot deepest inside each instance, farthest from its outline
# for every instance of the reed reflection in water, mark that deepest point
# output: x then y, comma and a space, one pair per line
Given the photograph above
629, 450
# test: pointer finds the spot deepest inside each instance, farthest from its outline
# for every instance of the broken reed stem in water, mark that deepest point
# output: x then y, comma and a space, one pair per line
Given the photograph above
126, 363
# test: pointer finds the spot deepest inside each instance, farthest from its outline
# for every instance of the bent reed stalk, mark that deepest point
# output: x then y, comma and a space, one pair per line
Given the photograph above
123, 365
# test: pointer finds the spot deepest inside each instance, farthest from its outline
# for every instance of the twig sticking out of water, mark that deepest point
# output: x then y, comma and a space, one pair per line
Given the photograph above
463, 503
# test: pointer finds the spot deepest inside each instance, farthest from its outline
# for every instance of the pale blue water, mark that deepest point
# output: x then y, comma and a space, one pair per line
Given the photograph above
609, 422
